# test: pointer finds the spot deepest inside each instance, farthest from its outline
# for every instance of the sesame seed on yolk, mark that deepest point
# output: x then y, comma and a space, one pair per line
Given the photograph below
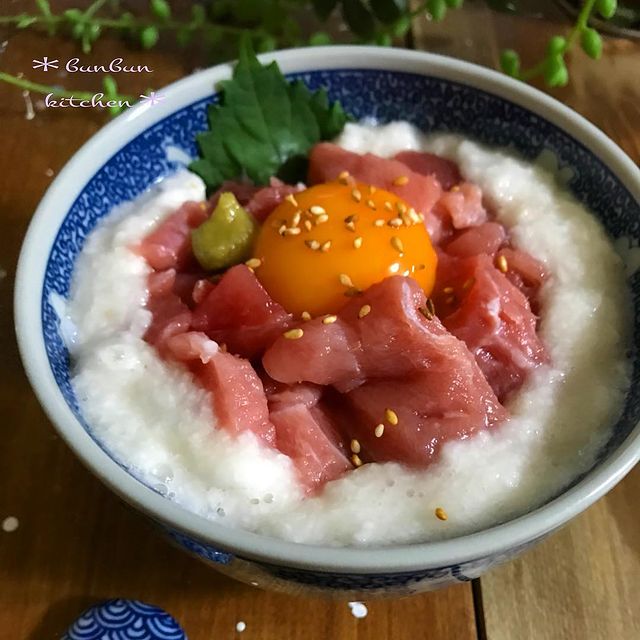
303, 271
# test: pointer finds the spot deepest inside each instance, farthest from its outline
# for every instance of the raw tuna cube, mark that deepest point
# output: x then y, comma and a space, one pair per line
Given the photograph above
239, 313
184, 285
486, 238
302, 434
160, 283
327, 160
445, 171
201, 290
464, 206
169, 246
238, 398
393, 340
495, 321
279, 395
170, 316
191, 346
260, 201
448, 400
524, 271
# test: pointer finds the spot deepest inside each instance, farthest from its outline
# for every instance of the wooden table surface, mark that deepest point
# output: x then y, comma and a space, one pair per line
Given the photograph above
77, 544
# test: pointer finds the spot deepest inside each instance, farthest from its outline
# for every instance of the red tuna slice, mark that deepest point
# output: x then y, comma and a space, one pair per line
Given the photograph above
201, 290
327, 160
169, 246
191, 346
238, 398
280, 395
265, 200
495, 321
170, 315
450, 399
464, 205
259, 201
243, 191
393, 340
445, 171
239, 313
530, 271
486, 238
300, 435
160, 283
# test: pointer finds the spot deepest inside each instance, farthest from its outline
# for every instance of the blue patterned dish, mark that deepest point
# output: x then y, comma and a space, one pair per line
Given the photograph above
125, 620
433, 92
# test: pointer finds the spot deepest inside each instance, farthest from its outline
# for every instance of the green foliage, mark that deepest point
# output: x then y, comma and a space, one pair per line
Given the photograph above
270, 24
510, 62
591, 43
437, 9
555, 72
149, 37
557, 45
263, 125
606, 8
160, 9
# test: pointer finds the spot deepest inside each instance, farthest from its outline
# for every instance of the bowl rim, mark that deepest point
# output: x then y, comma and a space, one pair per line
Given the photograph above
381, 559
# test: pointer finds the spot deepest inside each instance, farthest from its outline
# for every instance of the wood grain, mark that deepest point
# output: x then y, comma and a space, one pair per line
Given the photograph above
78, 544
583, 581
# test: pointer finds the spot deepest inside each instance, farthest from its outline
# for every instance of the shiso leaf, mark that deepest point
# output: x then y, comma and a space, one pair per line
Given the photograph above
263, 125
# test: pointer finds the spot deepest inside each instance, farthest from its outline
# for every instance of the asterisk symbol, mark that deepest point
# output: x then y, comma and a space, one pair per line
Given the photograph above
152, 99
45, 63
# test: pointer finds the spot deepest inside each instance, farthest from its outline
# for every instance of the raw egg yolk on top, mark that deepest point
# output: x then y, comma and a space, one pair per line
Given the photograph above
333, 240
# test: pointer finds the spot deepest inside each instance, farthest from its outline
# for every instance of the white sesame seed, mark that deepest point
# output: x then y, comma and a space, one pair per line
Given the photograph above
306, 316
253, 263
395, 222
323, 217
379, 430
329, 319
317, 210
293, 231
391, 416
400, 181
379, 222
355, 458
356, 195
365, 310
345, 280
325, 246
293, 334
355, 446
396, 243
307, 225
314, 245
291, 199
357, 243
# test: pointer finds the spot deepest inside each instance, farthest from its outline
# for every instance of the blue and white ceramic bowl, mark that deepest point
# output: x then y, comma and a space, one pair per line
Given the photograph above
433, 92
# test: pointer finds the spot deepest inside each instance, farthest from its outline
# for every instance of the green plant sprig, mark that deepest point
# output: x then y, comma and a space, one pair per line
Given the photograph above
86, 26
109, 86
553, 67
271, 23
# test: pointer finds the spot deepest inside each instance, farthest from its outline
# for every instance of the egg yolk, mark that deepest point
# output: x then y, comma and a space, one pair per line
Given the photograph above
333, 240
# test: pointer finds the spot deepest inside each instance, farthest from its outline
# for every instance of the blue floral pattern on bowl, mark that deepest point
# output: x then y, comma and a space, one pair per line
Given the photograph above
125, 620
433, 104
